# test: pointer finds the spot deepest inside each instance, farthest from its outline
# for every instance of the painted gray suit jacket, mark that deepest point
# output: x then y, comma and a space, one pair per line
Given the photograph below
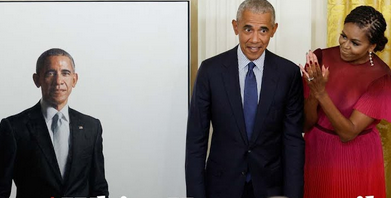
27, 156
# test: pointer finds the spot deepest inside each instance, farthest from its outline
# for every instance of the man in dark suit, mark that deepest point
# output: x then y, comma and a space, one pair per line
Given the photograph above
254, 100
51, 150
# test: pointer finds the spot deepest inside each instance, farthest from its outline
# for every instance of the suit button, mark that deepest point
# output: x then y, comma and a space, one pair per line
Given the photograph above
249, 151
243, 173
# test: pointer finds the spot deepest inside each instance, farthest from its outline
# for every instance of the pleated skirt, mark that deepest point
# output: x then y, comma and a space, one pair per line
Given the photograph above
334, 169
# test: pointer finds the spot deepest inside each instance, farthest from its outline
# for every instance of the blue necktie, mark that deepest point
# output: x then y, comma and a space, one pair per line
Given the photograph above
250, 99
250, 104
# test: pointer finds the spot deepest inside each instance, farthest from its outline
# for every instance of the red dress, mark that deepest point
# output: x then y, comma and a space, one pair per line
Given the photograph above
334, 169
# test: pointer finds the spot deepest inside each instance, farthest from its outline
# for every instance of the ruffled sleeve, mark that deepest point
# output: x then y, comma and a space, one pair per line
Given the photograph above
376, 101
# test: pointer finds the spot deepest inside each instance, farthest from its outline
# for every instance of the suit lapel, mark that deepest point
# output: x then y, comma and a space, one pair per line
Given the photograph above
39, 130
75, 141
231, 83
78, 138
268, 89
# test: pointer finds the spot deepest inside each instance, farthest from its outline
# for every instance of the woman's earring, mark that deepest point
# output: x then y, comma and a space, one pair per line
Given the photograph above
370, 59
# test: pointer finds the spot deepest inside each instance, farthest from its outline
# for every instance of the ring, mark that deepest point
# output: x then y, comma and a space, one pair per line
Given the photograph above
309, 79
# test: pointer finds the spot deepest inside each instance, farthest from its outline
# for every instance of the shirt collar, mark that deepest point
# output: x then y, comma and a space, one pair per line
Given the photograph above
243, 60
48, 111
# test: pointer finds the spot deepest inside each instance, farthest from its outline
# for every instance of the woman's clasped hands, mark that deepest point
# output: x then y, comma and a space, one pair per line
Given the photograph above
316, 76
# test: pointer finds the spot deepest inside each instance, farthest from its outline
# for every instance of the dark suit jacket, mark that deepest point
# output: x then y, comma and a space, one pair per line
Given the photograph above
275, 153
27, 156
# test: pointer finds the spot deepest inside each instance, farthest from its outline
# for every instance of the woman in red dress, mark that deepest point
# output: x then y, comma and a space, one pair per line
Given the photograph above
345, 98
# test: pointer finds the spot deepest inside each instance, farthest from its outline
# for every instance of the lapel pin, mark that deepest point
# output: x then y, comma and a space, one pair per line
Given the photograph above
80, 127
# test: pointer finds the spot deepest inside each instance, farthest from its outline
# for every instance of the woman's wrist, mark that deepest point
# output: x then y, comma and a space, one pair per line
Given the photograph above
320, 95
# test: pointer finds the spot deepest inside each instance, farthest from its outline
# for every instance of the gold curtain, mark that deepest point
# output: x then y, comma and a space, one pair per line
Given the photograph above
336, 13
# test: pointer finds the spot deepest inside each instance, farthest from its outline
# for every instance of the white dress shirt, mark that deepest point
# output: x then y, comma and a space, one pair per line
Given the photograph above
48, 113
243, 61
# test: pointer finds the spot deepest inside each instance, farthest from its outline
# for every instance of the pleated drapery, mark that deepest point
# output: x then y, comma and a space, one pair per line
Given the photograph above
336, 13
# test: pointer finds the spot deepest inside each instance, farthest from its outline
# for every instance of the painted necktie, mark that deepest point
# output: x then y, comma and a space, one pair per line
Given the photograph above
60, 141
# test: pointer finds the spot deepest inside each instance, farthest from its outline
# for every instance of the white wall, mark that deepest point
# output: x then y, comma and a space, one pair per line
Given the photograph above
132, 61
319, 24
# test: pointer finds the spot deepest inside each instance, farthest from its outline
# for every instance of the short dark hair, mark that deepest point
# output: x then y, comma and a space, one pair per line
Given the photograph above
372, 21
52, 52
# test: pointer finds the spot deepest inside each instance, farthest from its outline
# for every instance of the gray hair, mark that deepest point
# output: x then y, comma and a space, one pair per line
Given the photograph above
256, 6
52, 52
